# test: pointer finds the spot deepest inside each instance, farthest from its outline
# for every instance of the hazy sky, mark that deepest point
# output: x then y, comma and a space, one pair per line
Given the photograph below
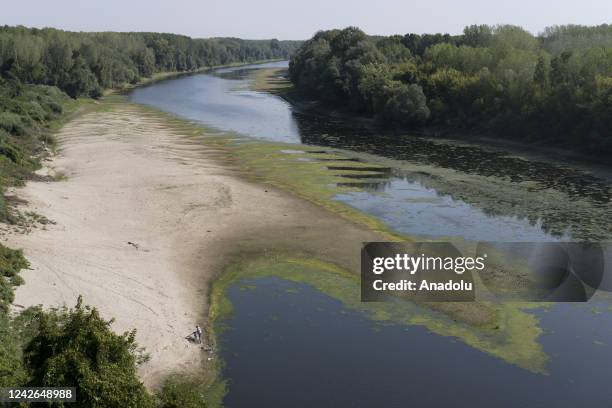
292, 19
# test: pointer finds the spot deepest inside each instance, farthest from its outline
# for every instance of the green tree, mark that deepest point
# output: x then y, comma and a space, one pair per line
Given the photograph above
406, 104
541, 74
77, 347
478, 35
79, 80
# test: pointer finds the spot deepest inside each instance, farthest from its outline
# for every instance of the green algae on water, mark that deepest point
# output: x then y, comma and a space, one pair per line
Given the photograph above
514, 340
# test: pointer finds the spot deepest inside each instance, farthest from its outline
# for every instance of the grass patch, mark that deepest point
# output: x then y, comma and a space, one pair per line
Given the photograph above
270, 80
180, 391
311, 180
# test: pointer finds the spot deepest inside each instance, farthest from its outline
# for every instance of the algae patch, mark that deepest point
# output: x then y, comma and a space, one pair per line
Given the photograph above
514, 340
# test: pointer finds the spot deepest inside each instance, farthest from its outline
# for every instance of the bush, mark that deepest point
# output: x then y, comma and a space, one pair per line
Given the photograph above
12, 372
179, 392
12, 123
7, 295
35, 111
406, 105
76, 347
12, 152
11, 262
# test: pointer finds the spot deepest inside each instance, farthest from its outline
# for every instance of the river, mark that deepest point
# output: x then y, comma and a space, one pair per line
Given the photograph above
289, 345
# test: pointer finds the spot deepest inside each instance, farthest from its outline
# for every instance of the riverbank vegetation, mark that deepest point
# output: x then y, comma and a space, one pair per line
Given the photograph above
498, 81
28, 113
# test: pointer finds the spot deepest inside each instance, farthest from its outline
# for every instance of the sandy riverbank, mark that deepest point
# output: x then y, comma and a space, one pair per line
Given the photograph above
144, 221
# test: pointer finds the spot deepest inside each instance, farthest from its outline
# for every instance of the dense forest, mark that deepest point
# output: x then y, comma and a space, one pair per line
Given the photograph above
496, 81
41, 72
83, 64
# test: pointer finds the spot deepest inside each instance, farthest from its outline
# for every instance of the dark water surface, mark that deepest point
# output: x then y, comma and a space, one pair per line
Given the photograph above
288, 345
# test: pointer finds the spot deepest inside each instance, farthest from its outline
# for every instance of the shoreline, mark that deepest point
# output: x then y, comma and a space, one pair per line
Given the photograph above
144, 222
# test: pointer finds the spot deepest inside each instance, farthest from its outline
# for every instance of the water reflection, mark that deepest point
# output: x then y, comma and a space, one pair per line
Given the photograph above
335, 132
223, 104
415, 209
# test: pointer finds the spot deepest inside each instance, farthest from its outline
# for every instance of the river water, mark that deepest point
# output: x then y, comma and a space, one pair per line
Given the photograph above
289, 345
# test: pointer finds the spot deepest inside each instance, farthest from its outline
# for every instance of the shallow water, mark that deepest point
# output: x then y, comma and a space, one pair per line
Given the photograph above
412, 208
289, 345
224, 103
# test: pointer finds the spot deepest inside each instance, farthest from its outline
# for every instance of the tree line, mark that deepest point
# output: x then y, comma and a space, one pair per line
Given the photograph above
83, 64
501, 81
